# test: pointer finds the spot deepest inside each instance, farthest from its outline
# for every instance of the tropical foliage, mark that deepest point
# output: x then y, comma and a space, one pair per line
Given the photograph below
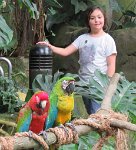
73, 13
47, 82
31, 7
6, 33
58, 12
125, 92
9, 100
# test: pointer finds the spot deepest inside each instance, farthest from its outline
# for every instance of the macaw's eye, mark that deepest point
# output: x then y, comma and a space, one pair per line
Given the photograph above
38, 105
68, 86
64, 84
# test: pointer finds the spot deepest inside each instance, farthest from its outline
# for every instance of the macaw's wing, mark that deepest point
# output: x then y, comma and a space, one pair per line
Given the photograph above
24, 119
53, 111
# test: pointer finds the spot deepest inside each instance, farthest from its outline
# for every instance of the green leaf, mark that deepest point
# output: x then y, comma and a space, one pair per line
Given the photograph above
96, 87
124, 98
79, 6
129, 25
129, 13
115, 5
45, 82
53, 3
29, 95
125, 94
9, 100
32, 8
56, 77
6, 34
103, 79
68, 147
55, 19
118, 23
132, 117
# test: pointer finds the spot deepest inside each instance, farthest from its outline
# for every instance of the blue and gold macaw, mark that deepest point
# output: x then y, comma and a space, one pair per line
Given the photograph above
61, 102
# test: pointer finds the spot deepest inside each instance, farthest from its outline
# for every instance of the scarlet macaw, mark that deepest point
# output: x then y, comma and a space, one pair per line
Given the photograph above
32, 116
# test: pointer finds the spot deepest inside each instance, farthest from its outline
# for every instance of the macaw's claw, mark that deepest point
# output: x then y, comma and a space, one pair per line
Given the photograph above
44, 134
63, 127
72, 126
30, 133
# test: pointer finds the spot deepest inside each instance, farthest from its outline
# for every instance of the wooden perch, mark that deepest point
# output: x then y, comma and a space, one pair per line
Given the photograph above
26, 142
8, 123
123, 124
106, 103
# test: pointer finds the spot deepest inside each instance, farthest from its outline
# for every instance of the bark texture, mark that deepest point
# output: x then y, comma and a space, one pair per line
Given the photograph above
28, 30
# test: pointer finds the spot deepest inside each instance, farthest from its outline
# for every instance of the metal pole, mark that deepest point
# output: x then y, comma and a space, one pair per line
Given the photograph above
9, 65
1, 71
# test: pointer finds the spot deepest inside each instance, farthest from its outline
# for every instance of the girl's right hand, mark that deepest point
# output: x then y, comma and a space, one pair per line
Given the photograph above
43, 43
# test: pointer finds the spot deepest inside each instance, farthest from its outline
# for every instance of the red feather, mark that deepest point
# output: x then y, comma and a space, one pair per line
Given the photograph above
39, 115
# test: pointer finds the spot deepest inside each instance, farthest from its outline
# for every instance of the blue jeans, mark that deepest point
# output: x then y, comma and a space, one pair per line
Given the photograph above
91, 105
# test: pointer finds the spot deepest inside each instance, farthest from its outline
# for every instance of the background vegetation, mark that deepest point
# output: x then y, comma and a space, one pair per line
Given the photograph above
23, 23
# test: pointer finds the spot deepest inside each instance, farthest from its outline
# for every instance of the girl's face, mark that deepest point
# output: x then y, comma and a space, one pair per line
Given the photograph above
96, 21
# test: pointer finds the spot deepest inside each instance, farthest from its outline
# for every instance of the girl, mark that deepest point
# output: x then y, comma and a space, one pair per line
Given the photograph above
97, 50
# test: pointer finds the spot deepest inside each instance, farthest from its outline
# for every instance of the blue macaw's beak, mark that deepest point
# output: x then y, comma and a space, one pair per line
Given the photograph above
70, 88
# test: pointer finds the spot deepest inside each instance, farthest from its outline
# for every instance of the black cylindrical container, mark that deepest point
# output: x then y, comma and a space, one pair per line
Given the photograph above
40, 62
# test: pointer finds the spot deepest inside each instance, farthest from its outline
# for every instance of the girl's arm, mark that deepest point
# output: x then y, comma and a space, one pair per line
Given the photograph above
58, 50
111, 64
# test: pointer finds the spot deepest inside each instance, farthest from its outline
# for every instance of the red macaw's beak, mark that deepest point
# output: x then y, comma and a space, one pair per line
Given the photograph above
68, 86
41, 104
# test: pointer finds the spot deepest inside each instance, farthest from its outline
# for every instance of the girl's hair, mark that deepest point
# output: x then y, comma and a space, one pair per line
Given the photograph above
90, 11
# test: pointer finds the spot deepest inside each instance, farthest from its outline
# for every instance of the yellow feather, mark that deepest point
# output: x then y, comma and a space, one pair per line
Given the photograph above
65, 106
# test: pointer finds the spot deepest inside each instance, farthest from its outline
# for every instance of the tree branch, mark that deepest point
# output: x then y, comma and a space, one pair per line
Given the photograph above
123, 124
26, 142
106, 103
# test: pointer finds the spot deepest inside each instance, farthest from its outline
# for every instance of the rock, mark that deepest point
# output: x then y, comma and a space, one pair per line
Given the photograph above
126, 46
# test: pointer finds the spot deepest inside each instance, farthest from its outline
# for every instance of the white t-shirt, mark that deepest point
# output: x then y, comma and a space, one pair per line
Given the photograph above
93, 52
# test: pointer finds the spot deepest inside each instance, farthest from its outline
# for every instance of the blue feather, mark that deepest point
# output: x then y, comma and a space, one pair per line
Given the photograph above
24, 119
